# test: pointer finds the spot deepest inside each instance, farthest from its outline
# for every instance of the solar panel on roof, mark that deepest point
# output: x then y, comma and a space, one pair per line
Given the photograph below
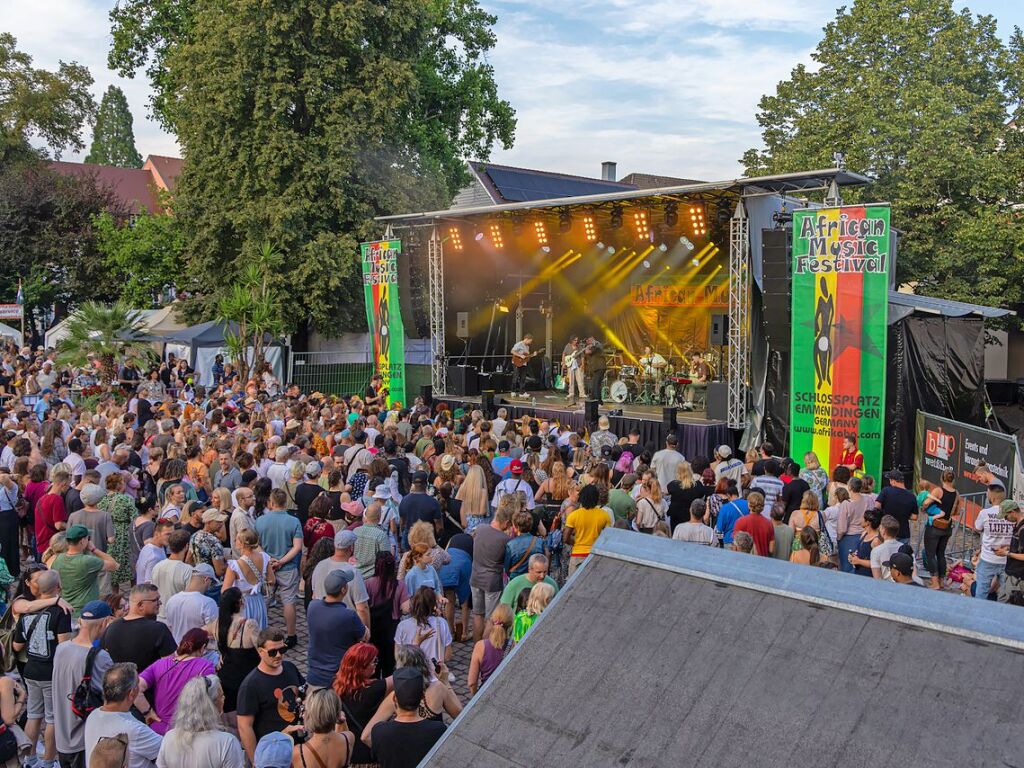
521, 186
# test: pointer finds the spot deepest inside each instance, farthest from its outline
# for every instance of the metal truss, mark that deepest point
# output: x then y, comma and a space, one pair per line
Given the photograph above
435, 277
739, 317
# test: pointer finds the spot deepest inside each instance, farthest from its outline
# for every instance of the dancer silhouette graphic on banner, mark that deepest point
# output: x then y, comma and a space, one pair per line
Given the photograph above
824, 315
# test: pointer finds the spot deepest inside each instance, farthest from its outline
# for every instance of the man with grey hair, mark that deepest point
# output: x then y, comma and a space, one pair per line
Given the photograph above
38, 634
114, 718
98, 521
694, 531
742, 542
278, 472
536, 571
356, 597
371, 539
117, 463
166, 435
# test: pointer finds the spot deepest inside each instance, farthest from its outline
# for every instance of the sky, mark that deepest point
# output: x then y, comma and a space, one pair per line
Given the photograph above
658, 86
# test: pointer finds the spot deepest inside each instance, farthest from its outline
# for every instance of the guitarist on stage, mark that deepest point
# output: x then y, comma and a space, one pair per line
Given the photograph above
572, 368
520, 357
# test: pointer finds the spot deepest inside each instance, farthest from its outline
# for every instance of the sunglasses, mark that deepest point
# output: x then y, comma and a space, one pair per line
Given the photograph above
275, 652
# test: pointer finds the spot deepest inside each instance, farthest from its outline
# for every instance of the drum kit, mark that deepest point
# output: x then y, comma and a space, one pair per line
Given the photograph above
680, 382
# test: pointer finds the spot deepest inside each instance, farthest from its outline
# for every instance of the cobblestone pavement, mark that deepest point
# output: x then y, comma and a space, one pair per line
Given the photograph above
460, 653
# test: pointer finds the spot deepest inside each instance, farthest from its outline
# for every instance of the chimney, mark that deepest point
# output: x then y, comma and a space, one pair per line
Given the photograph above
608, 171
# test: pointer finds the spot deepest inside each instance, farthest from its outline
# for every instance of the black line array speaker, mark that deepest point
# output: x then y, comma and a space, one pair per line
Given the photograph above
591, 413
668, 417
718, 401
777, 288
719, 330
463, 380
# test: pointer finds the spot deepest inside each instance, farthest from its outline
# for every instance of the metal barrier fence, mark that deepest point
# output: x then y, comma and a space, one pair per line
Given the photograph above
964, 541
337, 374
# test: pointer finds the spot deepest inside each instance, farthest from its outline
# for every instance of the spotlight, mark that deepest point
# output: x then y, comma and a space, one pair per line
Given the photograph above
564, 222
671, 214
546, 248
600, 246
616, 217
611, 250
647, 264
542, 232
478, 234
502, 307
662, 247
496, 237
696, 262
455, 238
685, 242
697, 222
590, 229
641, 225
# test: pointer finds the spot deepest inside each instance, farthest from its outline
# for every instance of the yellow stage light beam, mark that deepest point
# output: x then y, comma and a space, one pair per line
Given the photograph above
624, 269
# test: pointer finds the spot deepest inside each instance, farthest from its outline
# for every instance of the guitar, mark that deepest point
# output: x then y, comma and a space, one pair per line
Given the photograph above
519, 361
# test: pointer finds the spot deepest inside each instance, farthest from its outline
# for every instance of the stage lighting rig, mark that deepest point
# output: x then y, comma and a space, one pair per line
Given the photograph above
589, 228
671, 215
641, 224
497, 239
478, 234
564, 222
455, 238
616, 217
697, 221
541, 229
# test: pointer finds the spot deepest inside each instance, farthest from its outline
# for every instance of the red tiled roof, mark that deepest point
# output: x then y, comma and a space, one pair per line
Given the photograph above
134, 187
166, 170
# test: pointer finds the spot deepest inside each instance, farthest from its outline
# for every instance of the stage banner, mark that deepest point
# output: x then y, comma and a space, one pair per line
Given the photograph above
840, 303
11, 311
383, 315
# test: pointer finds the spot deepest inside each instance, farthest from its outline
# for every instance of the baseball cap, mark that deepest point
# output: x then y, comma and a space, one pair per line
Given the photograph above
212, 515
724, 451
96, 609
1006, 506
894, 474
336, 580
504, 446
344, 540
92, 494
515, 467
46, 391
205, 569
995, 482
76, 533
313, 469
419, 477
901, 562
408, 687
273, 751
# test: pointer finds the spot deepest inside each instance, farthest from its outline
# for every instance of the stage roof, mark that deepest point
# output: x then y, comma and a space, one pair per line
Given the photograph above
903, 304
505, 182
781, 183
660, 652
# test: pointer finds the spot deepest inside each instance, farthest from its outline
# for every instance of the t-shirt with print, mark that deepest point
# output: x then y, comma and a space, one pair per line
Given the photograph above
39, 631
995, 533
206, 548
271, 700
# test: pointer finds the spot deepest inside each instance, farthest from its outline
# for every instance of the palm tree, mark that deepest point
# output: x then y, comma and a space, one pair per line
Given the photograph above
254, 305
104, 333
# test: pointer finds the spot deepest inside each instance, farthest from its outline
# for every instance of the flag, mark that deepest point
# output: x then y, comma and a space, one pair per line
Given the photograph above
20, 299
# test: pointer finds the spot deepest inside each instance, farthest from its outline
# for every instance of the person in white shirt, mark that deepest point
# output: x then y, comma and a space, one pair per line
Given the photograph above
890, 529
192, 608
728, 466
514, 484
695, 531
498, 425
120, 691
996, 532
171, 575
666, 461
279, 473
152, 551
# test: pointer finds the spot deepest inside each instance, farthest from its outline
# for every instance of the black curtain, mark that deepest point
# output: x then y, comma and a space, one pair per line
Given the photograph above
937, 365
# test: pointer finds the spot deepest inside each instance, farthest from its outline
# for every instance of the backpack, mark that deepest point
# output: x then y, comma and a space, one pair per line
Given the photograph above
110, 752
7, 655
84, 699
825, 546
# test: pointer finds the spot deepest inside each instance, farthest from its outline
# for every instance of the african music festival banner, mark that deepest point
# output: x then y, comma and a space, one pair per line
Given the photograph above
383, 315
841, 265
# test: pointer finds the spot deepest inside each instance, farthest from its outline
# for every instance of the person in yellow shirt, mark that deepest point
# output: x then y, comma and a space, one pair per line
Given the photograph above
584, 525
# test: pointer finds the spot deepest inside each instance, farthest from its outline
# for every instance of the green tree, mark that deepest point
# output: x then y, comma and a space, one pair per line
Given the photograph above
917, 96
35, 103
254, 306
146, 254
106, 333
302, 121
113, 138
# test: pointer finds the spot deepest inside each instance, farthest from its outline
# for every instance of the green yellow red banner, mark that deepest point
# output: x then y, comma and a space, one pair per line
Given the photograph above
841, 264
383, 314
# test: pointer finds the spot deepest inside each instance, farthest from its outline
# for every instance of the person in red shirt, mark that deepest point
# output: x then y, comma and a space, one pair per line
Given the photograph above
760, 528
851, 458
50, 514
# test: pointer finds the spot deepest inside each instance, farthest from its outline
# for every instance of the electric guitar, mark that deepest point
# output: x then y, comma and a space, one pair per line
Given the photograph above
519, 360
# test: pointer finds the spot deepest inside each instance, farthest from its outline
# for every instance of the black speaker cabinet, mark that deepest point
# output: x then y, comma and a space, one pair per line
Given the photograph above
463, 380
487, 403
668, 416
718, 401
719, 330
591, 413
427, 393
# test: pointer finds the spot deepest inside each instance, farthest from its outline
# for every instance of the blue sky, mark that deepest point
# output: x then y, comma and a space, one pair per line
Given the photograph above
659, 86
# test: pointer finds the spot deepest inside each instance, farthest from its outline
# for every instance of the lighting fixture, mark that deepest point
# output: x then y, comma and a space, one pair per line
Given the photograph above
641, 224
611, 250
616, 217
647, 264
455, 238
478, 234
590, 229
662, 247
600, 246
542, 232
497, 240
564, 222
671, 214
685, 242
697, 222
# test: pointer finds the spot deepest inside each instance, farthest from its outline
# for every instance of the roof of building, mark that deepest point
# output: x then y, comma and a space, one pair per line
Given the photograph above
903, 304
654, 181
166, 169
134, 187
507, 184
661, 653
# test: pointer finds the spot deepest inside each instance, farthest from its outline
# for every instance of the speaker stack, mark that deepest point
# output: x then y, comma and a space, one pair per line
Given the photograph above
463, 380
776, 279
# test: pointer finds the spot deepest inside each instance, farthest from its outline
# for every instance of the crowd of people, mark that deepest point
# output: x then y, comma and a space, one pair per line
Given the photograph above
146, 537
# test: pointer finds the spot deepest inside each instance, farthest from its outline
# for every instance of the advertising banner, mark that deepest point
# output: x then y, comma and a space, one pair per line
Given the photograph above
383, 315
943, 444
840, 303
11, 311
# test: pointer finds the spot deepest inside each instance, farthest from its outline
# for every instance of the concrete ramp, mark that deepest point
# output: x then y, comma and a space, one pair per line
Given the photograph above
660, 653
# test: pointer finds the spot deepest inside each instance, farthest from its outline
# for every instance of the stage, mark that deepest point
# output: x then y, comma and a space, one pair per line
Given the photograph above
697, 435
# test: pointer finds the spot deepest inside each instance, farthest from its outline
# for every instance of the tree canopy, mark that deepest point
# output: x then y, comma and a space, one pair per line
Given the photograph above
36, 103
113, 138
299, 122
146, 254
918, 96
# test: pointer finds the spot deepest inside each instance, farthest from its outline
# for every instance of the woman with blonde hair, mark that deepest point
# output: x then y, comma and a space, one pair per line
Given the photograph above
809, 514
555, 488
537, 600
650, 506
476, 509
251, 574
814, 476
489, 652
682, 492
329, 741
222, 500
423, 533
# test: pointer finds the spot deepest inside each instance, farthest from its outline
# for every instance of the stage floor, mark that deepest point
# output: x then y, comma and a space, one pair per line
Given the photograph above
553, 400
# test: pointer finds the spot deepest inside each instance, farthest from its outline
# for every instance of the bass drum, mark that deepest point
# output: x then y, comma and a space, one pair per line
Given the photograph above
622, 391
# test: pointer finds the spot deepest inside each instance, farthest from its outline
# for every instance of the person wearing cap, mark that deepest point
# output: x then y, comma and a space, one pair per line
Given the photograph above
402, 742
98, 521
895, 500
602, 436
80, 568
356, 596
69, 661
274, 750
996, 533
191, 607
418, 506
901, 569
333, 628
269, 697
42, 406
501, 463
665, 462
1012, 589
205, 543
281, 537
308, 489
514, 484
728, 466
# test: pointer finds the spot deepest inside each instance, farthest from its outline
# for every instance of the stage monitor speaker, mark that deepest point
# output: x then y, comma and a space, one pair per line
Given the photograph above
718, 401
719, 330
463, 380
462, 325
487, 403
498, 381
427, 393
591, 412
668, 416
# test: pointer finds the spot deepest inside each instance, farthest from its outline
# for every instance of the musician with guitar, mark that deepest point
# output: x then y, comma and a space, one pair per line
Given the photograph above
521, 355
572, 369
